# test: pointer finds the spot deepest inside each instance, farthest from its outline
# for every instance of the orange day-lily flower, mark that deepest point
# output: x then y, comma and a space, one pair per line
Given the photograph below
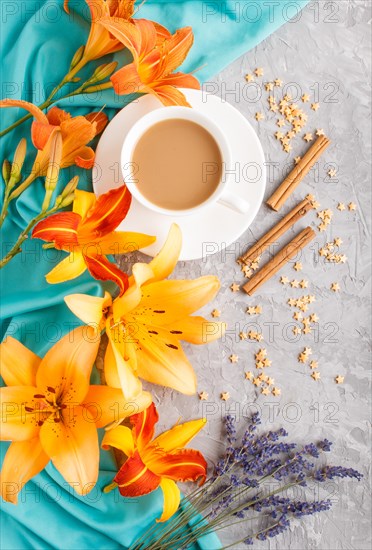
146, 325
156, 55
156, 462
76, 133
50, 412
88, 234
100, 42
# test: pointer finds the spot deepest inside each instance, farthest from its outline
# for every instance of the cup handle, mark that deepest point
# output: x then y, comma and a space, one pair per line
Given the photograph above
235, 203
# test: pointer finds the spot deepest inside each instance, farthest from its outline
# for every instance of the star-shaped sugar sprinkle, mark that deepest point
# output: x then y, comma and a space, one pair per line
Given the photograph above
284, 280
303, 283
269, 86
287, 97
253, 335
332, 172
258, 310
297, 160
313, 364
203, 396
259, 365
249, 77
234, 287
278, 82
335, 287
315, 375
261, 354
294, 283
259, 116
305, 98
234, 358
225, 396
216, 313
251, 310
279, 135
297, 316
297, 266
248, 375
308, 137
339, 379
256, 381
341, 206
315, 106
276, 392
265, 391
243, 335
296, 330
314, 318
306, 330
274, 108
302, 358
266, 362
270, 381
247, 271
320, 132
291, 302
308, 351
337, 241
351, 206
259, 71
287, 147
280, 122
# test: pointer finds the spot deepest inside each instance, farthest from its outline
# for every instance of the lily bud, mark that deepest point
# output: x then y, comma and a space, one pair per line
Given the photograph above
51, 178
77, 57
17, 164
70, 187
6, 171
98, 88
102, 72
69, 199
68, 194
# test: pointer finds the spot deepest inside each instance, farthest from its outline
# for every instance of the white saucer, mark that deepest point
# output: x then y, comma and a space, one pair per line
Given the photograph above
214, 228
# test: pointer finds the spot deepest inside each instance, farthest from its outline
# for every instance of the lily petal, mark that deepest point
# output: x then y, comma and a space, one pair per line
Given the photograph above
108, 405
177, 48
76, 133
103, 270
172, 497
141, 274
85, 157
119, 373
69, 268
55, 116
124, 31
120, 438
18, 423
18, 364
109, 210
40, 133
197, 330
72, 446
23, 461
135, 479
161, 360
67, 366
182, 80
166, 302
166, 260
89, 309
169, 96
179, 436
123, 242
83, 202
61, 229
144, 425
127, 80
100, 119
30, 107
183, 465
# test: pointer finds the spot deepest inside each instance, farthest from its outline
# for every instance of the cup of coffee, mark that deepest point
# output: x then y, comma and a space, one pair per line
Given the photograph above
176, 161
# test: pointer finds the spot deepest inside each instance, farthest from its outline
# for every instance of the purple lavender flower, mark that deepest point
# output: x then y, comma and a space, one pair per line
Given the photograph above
325, 445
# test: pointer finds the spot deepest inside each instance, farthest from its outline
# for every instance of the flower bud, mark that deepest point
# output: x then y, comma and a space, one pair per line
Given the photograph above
102, 72
54, 165
69, 199
77, 57
6, 171
17, 164
70, 187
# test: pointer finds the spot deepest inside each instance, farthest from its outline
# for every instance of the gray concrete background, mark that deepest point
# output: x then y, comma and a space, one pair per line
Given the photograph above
328, 52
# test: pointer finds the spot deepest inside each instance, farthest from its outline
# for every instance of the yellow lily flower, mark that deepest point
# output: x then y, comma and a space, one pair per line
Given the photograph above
158, 462
50, 412
146, 324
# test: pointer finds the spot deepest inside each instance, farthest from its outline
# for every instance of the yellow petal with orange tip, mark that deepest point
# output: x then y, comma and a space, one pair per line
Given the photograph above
179, 436
83, 202
197, 330
172, 497
67, 366
164, 263
72, 445
69, 268
90, 309
18, 364
119, 373
132, 297
19, 420
123, 242
23, 460
120, 438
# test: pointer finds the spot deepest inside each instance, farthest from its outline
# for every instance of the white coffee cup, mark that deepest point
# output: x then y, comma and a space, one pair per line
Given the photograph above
221, 194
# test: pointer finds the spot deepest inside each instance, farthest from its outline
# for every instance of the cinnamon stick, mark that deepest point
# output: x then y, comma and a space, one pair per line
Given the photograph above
286, 188
279, 260
275, 232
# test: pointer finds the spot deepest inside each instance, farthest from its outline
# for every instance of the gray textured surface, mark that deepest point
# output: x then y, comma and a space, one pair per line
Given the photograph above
334, 55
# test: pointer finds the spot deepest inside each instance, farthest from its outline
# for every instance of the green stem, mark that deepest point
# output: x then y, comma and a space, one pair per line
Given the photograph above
16, 249
67, 78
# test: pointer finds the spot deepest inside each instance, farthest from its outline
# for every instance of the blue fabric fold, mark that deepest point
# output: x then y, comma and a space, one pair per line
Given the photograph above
38, 40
